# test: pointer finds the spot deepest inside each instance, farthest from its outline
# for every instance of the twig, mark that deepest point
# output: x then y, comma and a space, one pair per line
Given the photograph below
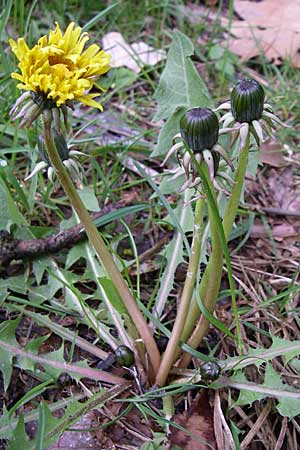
271, 211
16, 249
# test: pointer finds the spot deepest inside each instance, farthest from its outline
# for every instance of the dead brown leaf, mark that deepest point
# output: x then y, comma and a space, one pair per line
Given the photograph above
198, 421
284, 189
270, 27
79, 439
271, 153
133, 56
279, 232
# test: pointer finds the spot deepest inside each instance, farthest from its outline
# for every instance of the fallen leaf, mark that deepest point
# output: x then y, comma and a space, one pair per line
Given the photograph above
279, 232
84, 439
133, 56
271, 153
284, 190
198, 421
270, 27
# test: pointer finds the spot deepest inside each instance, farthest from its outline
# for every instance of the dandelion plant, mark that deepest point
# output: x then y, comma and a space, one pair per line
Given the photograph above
55, 73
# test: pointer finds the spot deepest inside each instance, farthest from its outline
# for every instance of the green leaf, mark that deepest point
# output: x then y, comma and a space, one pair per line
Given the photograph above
42, 426
168, 131
184, 214
32, 346
46, 291
122, 77
170, 185
279, 347
180, 88
89, 199
288, 408
287, 396
290, 353
6, 427
180, 83
52, 372
7, 334
10, 213
113, 295
211, 318
76, 253
246, 397
38, 267
15, 284
216, 52
53, 427
20, 438
253, 161
56, 355
174, 253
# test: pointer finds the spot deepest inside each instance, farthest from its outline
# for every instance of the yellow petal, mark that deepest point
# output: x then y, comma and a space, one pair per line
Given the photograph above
87, 100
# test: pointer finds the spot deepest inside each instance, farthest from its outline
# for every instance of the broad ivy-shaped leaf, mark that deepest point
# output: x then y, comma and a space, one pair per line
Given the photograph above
7, 336
180, 88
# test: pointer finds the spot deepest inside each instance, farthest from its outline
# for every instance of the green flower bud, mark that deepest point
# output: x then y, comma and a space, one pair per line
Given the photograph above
247, 101
210, 371
61, 145
199, 127
124, 356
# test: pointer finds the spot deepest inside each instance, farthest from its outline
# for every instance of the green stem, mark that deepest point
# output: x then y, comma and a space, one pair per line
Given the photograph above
99, 246
211, 280
173, 343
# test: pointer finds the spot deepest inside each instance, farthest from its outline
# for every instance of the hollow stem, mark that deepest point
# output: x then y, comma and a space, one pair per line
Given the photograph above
173, 343
99, 245
211, 280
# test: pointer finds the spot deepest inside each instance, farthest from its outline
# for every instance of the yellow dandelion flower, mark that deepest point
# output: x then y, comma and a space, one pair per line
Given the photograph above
60, 68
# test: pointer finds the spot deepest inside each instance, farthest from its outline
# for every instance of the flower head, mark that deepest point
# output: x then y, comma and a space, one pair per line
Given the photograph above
199, 131
248, 111
58, 70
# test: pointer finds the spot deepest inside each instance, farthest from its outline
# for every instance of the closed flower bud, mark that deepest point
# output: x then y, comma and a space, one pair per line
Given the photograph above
199, 127
210, 370
247, 101
124, 356
61, 145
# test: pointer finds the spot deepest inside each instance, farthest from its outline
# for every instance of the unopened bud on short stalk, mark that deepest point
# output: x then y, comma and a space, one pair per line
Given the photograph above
199, 127
247, 101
